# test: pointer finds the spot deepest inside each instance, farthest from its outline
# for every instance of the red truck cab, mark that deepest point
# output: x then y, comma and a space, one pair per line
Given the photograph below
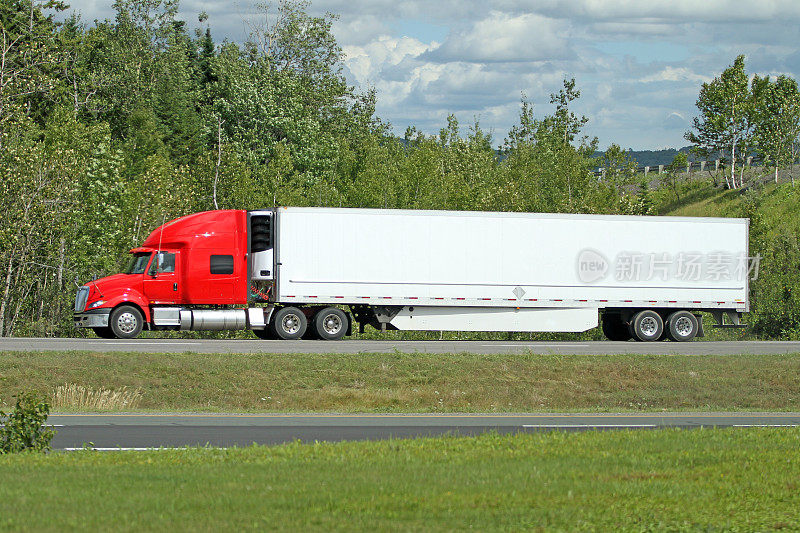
196, 260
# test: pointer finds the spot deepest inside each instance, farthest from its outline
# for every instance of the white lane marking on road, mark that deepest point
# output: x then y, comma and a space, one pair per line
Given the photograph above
130, 449
540, 345
46, 425
766, 425
145, 343
540, 426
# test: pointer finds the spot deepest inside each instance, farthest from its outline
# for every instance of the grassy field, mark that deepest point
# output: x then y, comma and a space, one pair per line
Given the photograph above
739, 480
416, 382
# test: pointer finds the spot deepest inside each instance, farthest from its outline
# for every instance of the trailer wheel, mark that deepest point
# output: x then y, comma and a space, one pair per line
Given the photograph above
104, 333
331, 324
647, 325
615, 329
682, 326
126, 322
288, 323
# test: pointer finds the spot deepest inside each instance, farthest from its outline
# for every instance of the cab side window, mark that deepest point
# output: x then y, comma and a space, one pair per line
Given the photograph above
162, 262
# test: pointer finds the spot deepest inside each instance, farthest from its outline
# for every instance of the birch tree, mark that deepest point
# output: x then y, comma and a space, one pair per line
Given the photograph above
726, 120
778, 124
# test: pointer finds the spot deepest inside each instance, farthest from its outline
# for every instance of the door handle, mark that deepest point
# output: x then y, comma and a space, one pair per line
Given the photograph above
174, 286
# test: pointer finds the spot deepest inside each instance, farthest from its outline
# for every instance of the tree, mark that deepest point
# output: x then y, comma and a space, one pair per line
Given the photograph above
28, 58
673, 172
286, 86
564, 122
778, 124
619, 170
727, 117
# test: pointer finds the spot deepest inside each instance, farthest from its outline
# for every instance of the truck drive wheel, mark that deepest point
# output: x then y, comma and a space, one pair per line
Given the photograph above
682, 326
288, 323
615, 329
647, 326
126, 322
330, 324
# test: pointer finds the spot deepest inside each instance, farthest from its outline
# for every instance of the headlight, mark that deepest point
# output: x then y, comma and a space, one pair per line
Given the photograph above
98, 303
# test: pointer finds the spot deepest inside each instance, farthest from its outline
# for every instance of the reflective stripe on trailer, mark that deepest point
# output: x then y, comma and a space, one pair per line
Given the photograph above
644, 303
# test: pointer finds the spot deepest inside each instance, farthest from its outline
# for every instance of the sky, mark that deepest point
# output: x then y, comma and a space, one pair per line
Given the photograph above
639, 64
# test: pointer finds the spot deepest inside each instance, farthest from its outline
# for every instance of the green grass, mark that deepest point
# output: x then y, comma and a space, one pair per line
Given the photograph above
779, 205
738, 480
417, 382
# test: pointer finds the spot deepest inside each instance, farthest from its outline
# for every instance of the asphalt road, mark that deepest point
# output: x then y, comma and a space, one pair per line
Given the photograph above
173, 430
358, 346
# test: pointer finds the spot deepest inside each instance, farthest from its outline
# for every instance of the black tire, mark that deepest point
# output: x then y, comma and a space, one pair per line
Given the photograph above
331, 324
647, 326
104, 333
265, 334
126, 322
615, 329
682, 326
288, 323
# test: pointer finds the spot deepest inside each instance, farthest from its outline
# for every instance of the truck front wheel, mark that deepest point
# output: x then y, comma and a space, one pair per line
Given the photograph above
126, 322
288, 323
647, 325
331, 324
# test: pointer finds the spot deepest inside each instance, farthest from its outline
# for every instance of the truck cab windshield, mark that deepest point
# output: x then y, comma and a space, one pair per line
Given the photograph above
138, 263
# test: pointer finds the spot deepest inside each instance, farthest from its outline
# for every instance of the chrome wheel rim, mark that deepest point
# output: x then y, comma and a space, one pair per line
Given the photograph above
683, 326
648, 326
332, 324
291, 323
126, 323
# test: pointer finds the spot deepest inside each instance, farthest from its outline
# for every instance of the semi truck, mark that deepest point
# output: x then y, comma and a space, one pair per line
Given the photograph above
297, 272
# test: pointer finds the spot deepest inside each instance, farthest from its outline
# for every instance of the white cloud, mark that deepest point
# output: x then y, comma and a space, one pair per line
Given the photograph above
368, 61
670, 73
501, 37
680, 11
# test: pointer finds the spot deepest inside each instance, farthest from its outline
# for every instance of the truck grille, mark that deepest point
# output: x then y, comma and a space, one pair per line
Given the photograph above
80, 299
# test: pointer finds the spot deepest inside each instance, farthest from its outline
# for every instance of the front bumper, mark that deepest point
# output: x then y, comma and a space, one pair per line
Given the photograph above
96, 318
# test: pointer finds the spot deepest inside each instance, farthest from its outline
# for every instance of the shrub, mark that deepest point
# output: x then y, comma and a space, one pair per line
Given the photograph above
24, 428
775, 296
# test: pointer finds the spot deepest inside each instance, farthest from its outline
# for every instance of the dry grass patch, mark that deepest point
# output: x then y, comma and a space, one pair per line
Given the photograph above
69, 397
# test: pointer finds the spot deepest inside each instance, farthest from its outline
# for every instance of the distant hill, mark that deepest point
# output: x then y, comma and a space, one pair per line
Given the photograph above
652, 158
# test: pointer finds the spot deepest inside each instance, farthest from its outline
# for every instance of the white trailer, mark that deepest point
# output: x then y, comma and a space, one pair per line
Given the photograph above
479, 271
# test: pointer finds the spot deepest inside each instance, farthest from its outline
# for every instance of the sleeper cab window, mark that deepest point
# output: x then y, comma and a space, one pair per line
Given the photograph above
222, 264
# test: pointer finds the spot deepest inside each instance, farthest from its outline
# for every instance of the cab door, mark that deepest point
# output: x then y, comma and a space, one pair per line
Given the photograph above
162, 279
